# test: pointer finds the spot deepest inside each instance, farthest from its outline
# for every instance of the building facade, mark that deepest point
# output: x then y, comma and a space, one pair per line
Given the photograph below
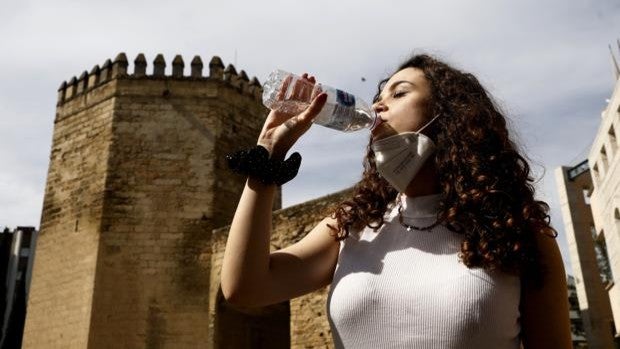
604, 162
17, 251
576, 322
590, 199
574, 187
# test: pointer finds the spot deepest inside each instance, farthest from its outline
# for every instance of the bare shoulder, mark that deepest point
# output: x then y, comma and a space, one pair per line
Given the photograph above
544, 310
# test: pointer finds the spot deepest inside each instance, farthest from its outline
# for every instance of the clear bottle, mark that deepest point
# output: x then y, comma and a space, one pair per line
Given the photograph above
342, 111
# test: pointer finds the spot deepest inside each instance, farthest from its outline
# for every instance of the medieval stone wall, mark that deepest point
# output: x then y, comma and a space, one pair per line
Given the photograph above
304, 316
62, 285
137, 182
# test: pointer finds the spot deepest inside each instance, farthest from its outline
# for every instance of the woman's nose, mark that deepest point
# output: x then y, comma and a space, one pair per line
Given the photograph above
378, 107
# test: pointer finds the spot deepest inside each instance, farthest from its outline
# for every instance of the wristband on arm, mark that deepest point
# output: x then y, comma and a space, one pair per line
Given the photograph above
255, 163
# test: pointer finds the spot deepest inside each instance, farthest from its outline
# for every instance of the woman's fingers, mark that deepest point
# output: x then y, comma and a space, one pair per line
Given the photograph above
304, 119
283, 88
315, 108
309, 88
316, 90
302, 89
282, 130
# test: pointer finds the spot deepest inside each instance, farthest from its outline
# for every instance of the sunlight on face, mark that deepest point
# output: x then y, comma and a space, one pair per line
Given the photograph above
402, 104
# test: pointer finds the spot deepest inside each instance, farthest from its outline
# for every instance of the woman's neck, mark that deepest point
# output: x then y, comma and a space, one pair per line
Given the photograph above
426, 182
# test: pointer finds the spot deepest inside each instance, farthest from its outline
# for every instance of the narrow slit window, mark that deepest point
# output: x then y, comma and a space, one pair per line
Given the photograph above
605, 166
613, 141
596, 173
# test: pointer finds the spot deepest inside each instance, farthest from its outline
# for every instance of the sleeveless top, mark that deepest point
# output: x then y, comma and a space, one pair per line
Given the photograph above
407, 289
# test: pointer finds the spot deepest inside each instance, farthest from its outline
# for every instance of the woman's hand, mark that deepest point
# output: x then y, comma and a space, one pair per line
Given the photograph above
282, 130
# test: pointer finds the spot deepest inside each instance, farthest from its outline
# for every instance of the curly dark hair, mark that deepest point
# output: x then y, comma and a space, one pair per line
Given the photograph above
488, 192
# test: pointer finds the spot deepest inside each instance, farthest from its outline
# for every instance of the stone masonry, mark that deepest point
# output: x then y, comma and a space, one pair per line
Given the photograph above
242, 328
137, 193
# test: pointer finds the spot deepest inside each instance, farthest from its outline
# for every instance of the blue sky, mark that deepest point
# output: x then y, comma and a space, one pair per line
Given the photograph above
546, 63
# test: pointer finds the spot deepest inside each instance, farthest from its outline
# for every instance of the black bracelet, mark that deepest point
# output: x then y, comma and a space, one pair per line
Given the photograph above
255, 163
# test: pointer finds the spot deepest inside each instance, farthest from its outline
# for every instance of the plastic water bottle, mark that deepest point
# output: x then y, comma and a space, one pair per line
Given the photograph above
342, 111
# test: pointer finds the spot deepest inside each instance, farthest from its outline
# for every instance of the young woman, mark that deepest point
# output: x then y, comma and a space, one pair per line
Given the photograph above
441, 245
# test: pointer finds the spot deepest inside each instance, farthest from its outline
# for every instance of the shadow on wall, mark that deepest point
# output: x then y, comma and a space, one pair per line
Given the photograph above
251, 328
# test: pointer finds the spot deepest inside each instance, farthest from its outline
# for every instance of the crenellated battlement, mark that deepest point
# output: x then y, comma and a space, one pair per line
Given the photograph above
119, 68
137, 187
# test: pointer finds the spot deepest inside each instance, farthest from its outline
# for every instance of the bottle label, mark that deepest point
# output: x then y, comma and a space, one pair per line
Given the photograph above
343, 112
345, 99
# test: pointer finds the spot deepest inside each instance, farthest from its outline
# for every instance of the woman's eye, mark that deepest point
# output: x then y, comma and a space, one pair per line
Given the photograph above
399, 94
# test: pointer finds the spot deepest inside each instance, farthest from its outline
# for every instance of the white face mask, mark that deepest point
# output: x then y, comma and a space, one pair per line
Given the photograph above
400, 157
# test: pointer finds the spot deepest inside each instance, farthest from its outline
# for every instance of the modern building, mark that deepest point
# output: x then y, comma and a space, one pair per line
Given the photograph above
590, 200
605, 199
17, 250
576, 322
574, 187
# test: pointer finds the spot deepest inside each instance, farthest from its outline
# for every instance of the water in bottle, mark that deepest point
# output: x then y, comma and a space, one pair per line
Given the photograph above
289, 93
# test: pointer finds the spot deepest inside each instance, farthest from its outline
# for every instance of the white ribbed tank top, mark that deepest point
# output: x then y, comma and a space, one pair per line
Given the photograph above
407, 289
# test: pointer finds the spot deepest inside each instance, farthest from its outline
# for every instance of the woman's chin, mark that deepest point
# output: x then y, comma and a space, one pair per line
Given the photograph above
381, 132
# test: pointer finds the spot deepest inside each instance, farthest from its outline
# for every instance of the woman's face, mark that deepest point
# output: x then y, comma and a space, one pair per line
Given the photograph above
403, 103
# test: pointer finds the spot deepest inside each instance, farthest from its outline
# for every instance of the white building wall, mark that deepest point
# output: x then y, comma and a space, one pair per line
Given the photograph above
577, 216
604, 161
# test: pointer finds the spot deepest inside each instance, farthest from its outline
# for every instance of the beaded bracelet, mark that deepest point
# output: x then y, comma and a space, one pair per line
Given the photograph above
255, 163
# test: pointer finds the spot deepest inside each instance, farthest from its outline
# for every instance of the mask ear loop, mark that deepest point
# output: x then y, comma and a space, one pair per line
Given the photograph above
428, 123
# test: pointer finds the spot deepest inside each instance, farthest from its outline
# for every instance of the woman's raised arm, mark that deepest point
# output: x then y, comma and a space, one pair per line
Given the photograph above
251, 275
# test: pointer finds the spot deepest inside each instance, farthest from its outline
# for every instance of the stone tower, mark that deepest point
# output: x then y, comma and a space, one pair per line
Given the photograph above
137, 182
